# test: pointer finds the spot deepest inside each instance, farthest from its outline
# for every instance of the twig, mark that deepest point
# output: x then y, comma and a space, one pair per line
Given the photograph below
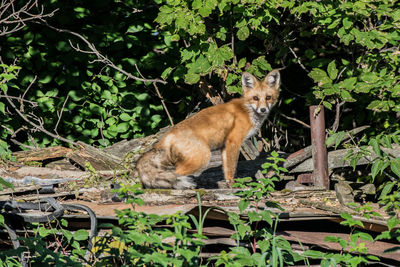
298, 59
163, 103
27, 89
22, 145
296, 120
16, 18
34, 104
59, 114
335, 124
39, 127
159, 96
101, 58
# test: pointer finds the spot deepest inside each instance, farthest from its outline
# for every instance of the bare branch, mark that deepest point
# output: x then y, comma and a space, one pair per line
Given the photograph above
298, 59
335, 124
59, 114
163, 103
159, 96
36, 126
13, 18
27, 89
101, 58
34, 104
296, 120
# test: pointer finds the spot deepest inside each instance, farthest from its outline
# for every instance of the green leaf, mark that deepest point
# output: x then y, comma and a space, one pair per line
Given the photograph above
142, 96
375, 146
125, 117
243, 204
369, 77
254, 216
375, 105
327, 104
395, 166
135, 29
4, 87
243, 33
320, 77
349, 83
346, 216
339, 138
386, 189
346, 96
45, 79
43, 232
6, 184
166, 73
364, 236
242, 63
331, 239
122, 127
376, 168
332, 70
392, 222
347, 23
226, 52
192, 78
80, 235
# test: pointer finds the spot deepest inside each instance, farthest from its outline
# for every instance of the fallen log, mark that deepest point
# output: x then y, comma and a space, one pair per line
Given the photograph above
41, 154
97, 158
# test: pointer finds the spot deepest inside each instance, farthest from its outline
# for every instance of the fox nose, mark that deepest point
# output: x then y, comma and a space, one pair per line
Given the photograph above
263, 110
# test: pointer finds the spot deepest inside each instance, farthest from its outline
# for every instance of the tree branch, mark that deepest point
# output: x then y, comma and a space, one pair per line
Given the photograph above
296, 120
101, 58
13, 18
38, 127
335, 124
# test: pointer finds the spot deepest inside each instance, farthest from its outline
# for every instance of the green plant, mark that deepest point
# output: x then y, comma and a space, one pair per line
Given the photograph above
67, 249
199, 223
354, 251
139, 240
267, 249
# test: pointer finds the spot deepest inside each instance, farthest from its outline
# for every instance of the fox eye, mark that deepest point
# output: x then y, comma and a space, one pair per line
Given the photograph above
255, 98
268, 97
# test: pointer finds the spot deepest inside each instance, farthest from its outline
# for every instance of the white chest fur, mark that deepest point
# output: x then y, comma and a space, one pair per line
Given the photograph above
257, 121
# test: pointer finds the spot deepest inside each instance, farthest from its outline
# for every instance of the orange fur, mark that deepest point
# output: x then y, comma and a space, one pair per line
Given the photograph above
186, 148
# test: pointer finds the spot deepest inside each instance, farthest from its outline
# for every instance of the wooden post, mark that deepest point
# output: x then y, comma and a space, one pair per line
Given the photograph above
319, 153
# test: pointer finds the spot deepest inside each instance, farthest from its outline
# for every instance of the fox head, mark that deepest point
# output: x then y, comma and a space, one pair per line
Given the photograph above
261, 96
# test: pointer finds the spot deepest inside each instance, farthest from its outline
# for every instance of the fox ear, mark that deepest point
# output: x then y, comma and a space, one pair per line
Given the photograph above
248, 81
273, 79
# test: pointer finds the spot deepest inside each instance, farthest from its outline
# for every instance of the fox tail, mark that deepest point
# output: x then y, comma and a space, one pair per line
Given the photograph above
157, 171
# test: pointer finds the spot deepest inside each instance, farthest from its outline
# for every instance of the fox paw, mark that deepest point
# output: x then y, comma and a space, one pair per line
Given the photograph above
184, 182
224, 184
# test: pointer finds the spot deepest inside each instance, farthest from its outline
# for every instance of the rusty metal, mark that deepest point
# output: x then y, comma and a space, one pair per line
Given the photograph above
319, 153
305, 178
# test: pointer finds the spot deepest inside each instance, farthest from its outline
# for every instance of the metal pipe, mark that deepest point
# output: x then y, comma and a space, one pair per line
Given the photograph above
319, 153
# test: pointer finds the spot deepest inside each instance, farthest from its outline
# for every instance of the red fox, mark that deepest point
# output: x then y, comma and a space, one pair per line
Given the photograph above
186, 148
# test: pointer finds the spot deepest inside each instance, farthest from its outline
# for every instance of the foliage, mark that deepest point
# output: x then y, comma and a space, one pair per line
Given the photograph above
354, 251
140, 241
259, 230
68, 250
346, 51
347, 48
7, 75
81, 100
